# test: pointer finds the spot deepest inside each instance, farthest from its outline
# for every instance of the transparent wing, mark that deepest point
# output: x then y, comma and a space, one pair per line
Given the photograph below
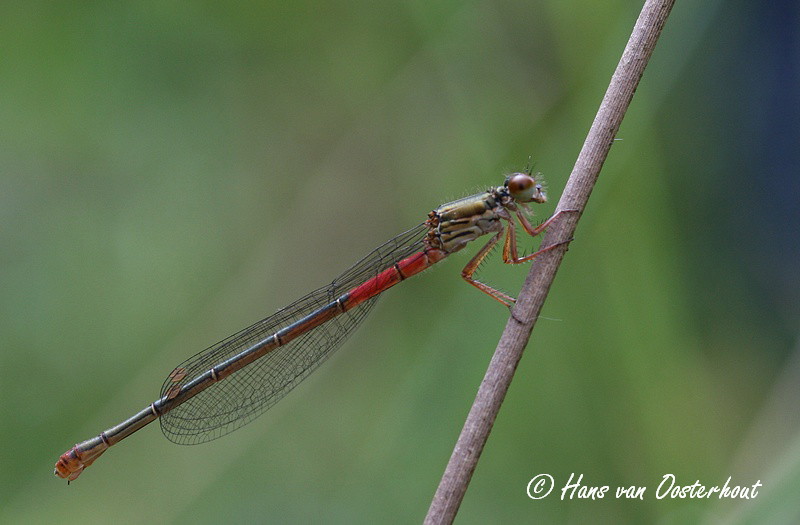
244, 395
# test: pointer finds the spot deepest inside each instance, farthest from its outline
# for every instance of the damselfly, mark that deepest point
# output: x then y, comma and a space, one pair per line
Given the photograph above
231, 383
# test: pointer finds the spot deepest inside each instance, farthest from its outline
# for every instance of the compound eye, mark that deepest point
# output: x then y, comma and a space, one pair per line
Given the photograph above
519, 183
522, 187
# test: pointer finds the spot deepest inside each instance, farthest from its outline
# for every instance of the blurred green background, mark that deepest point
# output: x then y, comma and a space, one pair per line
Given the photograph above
172, 172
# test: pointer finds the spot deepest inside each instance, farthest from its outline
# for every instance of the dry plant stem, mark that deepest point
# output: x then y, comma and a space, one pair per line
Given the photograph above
509, 350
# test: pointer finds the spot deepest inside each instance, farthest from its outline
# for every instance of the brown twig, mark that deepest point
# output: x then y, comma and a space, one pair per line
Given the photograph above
584, 175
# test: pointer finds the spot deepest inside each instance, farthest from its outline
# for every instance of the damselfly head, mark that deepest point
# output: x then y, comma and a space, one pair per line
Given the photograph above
524, 188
